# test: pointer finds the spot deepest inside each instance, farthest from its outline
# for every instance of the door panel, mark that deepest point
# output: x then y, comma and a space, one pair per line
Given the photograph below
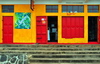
43, 29
41, 24
7, 29
99, 29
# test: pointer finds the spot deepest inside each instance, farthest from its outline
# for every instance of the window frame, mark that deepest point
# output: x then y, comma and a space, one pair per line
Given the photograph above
92, 9
12, 11
78, 11
51, 10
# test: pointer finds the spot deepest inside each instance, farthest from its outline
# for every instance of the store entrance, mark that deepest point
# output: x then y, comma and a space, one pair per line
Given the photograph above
92, 28
52, 29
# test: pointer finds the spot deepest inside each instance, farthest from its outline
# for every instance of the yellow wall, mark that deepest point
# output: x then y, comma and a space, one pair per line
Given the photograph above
25, 35
21, 35
41, 11
29, 35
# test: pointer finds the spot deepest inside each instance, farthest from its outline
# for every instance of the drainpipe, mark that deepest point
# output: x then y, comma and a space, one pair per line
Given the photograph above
31, 4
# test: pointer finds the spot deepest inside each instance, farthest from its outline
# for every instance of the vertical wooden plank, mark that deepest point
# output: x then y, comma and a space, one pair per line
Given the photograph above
99, 29
74, 27
64, 27
81, 27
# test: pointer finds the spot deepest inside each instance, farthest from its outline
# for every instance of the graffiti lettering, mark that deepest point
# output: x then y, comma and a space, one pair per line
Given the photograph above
13, 59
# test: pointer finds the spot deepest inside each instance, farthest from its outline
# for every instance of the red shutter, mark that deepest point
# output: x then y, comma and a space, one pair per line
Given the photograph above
99, 29
41, 29
7, 29
73, 27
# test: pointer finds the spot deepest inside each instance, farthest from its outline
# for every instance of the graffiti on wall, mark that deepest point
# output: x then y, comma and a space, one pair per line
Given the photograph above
22, 20
13, 59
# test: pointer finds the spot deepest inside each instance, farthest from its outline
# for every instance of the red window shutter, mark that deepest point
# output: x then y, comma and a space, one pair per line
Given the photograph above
72, 27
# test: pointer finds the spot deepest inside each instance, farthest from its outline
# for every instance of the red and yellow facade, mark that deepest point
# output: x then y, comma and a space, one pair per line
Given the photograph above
23, 36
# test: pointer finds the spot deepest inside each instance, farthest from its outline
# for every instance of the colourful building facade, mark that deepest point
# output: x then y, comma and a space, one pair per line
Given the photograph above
24, 26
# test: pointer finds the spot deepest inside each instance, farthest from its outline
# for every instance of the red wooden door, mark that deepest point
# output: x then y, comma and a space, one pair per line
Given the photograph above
7, 29
99, 29
41, 29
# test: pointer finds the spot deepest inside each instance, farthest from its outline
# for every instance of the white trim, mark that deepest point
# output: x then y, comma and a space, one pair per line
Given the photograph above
14, 2
50, 1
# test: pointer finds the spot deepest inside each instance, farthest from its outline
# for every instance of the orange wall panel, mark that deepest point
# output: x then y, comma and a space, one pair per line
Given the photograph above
39, 10
22, 8
25, 35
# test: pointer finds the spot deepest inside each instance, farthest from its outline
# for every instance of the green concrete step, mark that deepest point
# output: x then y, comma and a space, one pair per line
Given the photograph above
63, 59
50, 52
66, 56
64, 63
51, 45
47, 51
49, 48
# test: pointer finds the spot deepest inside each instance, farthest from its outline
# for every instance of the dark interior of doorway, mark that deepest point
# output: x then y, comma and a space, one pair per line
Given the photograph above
92, 28
52, 29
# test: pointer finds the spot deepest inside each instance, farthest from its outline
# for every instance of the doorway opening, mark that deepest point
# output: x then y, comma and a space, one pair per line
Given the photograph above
52, 29
92, 28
